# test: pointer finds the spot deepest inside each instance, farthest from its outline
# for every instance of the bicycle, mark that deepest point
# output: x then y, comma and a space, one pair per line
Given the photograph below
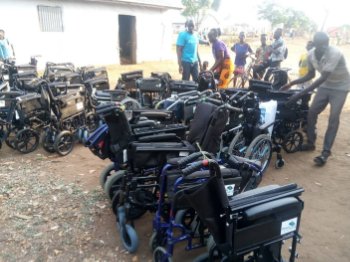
243, 75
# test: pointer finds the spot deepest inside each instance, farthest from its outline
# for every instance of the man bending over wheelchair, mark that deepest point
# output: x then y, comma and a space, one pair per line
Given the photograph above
333, 86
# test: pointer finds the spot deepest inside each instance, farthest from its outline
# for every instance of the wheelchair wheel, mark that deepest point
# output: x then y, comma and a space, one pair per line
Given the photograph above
48, 141
161, 255
279, 163
185, 217
114, 183
84, 136
158, 238
11, 138
106, 172
64, 143
134, 212
260, 149
214, 253
237, 144
92, 121
129, 238
292, 142
27, 140
202, 258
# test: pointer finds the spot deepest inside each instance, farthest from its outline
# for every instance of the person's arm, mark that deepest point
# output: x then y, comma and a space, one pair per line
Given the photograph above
233, 48
313, 86
310, 75
218, 60
180, 43
199, 61
250, 50
179, 56
2, 55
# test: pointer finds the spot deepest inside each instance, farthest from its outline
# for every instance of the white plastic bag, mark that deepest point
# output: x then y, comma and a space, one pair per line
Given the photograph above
268, 113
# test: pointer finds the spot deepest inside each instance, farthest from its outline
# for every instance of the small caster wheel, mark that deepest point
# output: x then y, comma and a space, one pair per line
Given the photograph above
279, 163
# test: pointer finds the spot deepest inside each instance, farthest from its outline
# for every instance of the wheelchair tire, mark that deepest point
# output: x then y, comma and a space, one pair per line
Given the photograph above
157, 240
202, 258
161, 255
213, 253
11, 138
237, 144
48, 141
105, 173
84, 136
27, 140
185, 217
279, 163
92, 121
113, 183
292, 142
129, 238
260, 149
133, 213
64, 143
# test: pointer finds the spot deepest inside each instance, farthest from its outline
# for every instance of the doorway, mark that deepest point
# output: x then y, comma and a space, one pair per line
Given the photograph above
127, 39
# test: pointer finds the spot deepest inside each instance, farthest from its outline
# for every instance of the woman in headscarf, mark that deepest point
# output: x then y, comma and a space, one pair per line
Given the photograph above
223, 65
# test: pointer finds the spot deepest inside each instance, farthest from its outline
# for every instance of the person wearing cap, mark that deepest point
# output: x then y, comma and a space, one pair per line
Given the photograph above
187, 52
332, 88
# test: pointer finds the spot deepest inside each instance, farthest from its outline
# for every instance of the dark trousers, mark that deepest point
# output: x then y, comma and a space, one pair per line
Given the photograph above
189, 69
323, 97
259, 70
273, 65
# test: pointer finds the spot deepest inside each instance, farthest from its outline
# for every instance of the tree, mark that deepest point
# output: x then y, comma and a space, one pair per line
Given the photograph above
198, 9
290, 18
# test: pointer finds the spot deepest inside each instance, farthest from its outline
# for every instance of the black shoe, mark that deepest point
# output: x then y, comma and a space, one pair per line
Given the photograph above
322, 159
307, 147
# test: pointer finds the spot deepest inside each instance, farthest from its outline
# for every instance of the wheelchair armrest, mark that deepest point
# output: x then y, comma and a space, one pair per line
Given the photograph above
273, 207
144, 123
156, 115
169, 137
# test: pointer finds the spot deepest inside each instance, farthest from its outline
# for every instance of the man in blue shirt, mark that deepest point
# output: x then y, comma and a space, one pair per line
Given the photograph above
5, 51
187, 52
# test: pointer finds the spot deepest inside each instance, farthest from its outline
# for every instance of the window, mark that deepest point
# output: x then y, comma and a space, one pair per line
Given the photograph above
50, 18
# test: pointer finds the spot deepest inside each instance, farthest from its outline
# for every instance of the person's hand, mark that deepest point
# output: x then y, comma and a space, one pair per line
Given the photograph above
285, 87
181, 69
293, 99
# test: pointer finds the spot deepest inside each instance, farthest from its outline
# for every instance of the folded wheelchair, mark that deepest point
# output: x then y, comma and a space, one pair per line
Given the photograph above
251, 226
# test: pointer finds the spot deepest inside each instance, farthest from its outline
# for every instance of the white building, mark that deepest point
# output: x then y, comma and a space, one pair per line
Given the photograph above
88, 32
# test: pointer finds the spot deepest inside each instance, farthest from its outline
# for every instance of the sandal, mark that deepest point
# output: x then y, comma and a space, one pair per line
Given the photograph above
320, 160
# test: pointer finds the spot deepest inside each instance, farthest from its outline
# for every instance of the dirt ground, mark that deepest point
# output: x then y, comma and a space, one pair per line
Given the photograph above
53, 209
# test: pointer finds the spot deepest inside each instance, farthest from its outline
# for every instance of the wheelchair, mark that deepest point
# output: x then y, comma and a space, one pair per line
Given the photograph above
249, 227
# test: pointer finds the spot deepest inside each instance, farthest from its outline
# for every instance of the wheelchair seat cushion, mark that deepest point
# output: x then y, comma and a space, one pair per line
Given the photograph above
273, 207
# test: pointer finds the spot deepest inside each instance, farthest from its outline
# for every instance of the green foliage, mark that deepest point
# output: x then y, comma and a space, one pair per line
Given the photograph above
290, 18
197, 9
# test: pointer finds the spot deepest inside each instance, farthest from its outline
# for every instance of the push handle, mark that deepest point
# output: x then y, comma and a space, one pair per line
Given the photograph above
212, 164
189, 159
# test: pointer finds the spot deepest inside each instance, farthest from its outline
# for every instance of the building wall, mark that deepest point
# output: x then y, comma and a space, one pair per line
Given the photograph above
90, 34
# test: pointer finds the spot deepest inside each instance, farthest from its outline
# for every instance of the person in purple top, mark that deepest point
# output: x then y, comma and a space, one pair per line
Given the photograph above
223, 65
242, 50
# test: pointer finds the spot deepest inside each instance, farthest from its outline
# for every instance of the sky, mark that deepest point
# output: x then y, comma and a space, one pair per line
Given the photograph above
246, 11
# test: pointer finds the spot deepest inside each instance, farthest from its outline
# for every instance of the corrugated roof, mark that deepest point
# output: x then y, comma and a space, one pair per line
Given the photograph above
163, 4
